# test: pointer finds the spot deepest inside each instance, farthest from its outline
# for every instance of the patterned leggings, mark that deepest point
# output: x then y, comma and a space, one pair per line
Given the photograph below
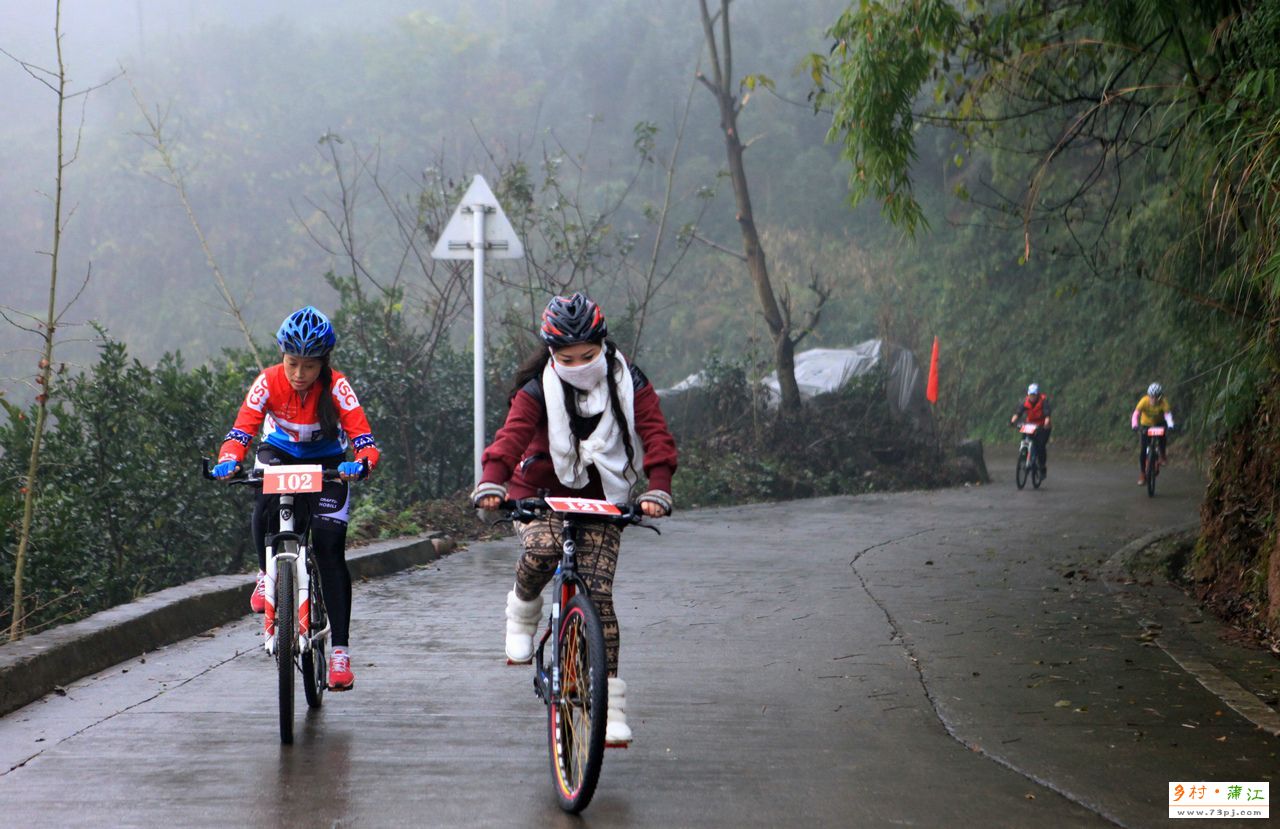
597, 561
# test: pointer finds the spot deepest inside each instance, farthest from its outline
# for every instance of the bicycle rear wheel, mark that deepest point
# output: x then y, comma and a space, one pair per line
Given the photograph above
1034, 463
1153, 468
576, 720
315, 658
286, 624
1020, 476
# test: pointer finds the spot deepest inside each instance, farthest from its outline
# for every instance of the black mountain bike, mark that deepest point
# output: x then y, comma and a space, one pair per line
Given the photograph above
1028, 458
573, 679
296, 625
1152, 461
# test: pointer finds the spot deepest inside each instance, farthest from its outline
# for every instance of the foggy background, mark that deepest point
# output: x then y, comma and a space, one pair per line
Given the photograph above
250, 88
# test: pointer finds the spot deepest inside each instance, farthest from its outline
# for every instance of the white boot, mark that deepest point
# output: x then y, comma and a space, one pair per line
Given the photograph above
522, 621
617, 734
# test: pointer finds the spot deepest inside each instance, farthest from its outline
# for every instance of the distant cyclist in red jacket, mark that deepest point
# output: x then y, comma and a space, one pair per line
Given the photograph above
1034, 409
583, 422
311, 415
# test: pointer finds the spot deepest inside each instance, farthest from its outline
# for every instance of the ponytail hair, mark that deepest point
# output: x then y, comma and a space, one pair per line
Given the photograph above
325, 407
611, 355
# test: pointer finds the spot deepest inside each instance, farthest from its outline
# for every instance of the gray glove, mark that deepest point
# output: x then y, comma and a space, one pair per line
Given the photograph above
657, 496
485, 489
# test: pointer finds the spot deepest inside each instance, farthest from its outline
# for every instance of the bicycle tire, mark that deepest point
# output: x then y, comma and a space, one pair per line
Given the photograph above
1020, 475
1036, 477
1153, 468
315, 658
286, 622
576, 721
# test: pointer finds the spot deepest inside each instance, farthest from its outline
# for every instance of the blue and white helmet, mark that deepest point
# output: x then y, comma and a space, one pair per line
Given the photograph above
306, 333
1034, 388
1155, 390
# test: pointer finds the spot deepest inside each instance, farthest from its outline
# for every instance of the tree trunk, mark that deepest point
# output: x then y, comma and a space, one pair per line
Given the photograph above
783, 345
46, 357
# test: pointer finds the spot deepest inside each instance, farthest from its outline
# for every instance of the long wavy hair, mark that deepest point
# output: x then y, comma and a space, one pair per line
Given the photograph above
533, 367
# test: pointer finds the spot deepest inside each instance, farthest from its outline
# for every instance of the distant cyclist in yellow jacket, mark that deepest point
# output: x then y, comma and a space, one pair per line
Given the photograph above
1150, 411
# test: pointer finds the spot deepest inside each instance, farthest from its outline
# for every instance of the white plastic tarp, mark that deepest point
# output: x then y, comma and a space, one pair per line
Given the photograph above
821, 370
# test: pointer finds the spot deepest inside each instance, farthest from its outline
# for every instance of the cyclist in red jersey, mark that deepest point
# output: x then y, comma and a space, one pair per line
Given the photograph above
308, 413
582, 422
1034, 409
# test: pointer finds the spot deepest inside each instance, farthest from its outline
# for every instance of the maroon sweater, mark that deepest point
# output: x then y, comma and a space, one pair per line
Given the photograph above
521, 451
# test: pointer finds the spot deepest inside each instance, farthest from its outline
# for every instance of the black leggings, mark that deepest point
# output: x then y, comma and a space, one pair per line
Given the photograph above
326, 513
1041, 440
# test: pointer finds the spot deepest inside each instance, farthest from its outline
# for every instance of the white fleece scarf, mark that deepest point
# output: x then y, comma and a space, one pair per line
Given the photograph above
604, 446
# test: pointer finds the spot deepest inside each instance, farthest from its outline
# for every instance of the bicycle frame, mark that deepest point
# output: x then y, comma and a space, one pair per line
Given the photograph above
1028, 443
298, 558
300, 561
565, 584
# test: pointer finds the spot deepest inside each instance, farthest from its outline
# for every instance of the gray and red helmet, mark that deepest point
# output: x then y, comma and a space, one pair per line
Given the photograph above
572, 320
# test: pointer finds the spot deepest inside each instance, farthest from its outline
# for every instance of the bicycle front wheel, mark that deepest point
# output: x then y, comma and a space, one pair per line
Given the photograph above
1020, 476
315, 658
1153, 468
286, 624
576, 717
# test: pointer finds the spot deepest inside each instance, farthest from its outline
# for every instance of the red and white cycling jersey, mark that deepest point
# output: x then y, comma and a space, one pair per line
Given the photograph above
291, 422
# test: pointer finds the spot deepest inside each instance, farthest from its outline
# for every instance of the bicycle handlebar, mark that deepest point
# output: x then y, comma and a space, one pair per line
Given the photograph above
254, 476
529, 509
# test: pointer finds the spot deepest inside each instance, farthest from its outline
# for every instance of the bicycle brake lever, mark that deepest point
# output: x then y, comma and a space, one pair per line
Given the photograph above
648, 526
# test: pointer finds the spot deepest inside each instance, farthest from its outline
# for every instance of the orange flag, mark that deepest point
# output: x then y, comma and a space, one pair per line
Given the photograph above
931, 391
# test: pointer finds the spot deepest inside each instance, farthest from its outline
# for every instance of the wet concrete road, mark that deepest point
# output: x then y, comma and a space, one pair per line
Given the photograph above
922, 659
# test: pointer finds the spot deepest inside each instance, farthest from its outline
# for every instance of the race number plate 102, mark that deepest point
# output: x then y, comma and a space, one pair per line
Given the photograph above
283, 480
583, 506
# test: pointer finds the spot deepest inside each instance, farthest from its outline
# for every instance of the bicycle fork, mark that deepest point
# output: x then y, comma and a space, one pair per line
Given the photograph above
547, 684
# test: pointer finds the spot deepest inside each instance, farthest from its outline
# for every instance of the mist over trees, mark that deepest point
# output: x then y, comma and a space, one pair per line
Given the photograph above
248, 98
321, 146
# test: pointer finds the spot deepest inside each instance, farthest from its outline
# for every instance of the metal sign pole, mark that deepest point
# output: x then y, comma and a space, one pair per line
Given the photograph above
472, 237
477, 277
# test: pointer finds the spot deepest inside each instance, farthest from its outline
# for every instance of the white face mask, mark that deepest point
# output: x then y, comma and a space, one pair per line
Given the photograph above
585, 377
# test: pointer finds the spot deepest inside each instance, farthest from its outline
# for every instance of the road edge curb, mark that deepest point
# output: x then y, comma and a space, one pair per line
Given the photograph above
1214, 680
44, 662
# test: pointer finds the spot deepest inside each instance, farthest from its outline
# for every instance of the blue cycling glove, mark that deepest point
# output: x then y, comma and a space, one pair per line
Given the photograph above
351, 468
225, 469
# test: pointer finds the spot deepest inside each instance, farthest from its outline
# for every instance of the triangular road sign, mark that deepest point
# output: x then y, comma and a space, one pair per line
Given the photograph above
500, 240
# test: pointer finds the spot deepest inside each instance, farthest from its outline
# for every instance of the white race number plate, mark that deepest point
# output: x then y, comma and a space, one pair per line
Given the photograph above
284, 480
582, 506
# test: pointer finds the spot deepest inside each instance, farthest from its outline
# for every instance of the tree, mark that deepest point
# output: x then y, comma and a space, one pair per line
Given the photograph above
778, 313
653, 275
155, 139
45, 328
1104, 98
398, 303
1150, 132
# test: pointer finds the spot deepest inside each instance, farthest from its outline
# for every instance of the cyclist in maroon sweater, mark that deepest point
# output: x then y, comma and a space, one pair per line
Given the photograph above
584, 423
